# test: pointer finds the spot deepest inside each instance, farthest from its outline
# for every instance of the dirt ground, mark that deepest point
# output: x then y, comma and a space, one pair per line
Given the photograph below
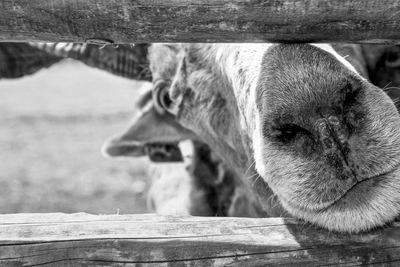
52, 125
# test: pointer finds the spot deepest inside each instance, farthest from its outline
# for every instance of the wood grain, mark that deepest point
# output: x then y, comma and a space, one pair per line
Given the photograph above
82, 239
123, 21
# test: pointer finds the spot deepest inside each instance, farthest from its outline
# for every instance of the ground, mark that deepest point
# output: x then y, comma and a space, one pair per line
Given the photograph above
52, 125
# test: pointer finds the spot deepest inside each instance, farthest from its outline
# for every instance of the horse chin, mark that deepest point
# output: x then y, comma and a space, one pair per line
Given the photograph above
369, 204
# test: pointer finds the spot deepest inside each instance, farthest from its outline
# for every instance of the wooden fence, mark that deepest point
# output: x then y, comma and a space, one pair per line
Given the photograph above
82, 239
123, 21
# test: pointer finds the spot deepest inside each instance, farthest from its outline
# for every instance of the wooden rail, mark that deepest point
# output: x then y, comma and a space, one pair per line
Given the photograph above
82, 239
200, 20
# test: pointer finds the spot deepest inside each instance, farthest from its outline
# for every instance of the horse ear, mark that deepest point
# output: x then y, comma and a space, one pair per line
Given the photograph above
148, 127
174, 97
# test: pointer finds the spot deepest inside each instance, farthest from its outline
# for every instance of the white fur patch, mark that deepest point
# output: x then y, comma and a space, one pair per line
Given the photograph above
187, 150
258, 144
170, 190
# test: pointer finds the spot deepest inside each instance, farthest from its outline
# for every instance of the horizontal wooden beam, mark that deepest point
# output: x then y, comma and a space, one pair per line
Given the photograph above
82, 239
200, 20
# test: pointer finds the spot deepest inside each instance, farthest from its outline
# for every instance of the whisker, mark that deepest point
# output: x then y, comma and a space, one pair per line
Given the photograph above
386, 86
248, 169
252, 176
391, 88
256, 176
396, 100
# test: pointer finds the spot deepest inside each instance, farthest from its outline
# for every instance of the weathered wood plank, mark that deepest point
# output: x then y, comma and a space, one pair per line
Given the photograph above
83, 239
200, 20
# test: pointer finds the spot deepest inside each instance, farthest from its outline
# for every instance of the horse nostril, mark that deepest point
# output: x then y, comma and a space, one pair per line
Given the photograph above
352, 92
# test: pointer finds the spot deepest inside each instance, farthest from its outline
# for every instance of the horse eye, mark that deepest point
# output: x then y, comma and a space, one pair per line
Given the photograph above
161, 97
164, 99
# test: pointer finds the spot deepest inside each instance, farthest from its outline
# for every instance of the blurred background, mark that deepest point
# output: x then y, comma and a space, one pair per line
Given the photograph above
53, 124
